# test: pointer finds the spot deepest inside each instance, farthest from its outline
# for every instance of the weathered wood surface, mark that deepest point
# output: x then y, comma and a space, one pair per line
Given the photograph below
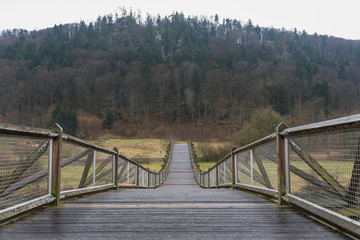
177, 210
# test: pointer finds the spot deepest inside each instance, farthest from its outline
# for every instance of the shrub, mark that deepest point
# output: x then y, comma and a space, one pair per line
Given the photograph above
262, 123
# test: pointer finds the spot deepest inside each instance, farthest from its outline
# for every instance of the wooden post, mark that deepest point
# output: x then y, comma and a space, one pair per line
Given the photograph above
233, 167
155, 179
116, 168
56, 164
137, 174
280, 150
208, 178
217, 175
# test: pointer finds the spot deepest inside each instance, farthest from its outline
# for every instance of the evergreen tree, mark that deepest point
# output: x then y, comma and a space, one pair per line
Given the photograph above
67, 119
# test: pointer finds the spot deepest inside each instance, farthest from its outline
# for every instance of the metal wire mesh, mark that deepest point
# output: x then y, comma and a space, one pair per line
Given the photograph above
127, 174
77, 167
225, 172
206, 180
152, 180
157, 179
143, 177
104, 168
243, 167
325, 170
24, 169
213, 177
265, 165
80, 165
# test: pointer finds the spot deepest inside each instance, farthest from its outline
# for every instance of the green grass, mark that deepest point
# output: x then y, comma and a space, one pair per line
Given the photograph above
136, 147
204, 166
153, 166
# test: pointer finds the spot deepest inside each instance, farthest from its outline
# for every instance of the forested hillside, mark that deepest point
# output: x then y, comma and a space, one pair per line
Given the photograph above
127, 73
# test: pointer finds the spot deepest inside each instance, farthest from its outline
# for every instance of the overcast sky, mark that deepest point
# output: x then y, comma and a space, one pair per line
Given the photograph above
338, 18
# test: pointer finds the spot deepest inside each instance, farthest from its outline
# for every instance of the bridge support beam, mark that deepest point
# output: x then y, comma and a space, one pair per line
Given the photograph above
137, 174
233, 167
116, 168
280, 149
56, 164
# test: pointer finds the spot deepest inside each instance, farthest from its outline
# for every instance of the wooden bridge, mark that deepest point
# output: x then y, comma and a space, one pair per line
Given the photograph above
181, 202
178, 209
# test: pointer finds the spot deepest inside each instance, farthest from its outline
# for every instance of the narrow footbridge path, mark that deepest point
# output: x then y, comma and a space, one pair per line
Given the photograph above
179, 209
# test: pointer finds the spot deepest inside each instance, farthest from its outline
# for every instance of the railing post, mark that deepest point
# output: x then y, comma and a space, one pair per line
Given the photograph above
280, 150
116, 168
208, 178
233, 167
137, 174
217, 175
148, 178
56, 164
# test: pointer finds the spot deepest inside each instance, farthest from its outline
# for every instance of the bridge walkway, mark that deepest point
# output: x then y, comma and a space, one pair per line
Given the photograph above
179, 209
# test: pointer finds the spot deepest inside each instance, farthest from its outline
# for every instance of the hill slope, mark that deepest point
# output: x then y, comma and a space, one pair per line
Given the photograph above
120, 72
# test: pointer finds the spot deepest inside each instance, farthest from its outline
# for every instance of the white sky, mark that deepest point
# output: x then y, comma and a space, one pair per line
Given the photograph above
338, 18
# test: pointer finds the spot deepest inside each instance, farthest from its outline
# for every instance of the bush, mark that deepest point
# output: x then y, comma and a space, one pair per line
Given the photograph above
262, 123
208, 153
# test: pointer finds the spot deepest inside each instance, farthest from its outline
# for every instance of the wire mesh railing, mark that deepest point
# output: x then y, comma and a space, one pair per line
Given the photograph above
315, 166
24, 169
322, 163
255, 166
39, 166
85, 167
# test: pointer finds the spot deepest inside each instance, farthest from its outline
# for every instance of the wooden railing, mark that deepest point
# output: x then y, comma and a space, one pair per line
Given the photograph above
41, 167
315, 167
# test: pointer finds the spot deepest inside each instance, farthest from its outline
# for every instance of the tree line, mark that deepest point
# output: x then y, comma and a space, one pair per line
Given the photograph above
149, 71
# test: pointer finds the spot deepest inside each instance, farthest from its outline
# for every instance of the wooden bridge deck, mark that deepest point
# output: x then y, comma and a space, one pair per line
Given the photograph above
177, 210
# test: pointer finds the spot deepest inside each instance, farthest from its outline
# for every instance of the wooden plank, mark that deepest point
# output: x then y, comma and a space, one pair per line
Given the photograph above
261, 141
267, 192
314, 165
337, 124
6, 128
21, 208
78, 192
82, 143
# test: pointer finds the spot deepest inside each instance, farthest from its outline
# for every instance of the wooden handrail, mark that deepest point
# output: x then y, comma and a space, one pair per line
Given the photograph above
11, 129
345, 123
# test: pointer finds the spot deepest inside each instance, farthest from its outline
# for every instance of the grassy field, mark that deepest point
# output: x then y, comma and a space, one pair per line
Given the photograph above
136, 147
153, 166
204, 166
142, 148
